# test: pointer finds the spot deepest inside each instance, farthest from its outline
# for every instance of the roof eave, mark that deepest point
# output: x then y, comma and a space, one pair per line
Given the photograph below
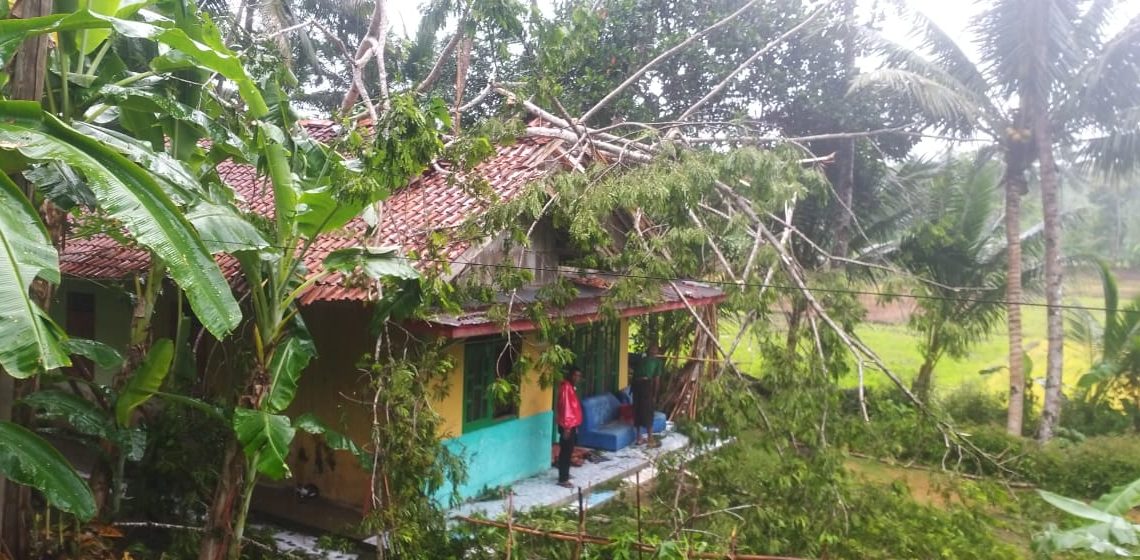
527, 325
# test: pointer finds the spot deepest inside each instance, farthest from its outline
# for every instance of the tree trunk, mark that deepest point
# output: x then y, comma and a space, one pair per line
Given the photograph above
218, 538
845, 195
378, 32
29, 72
1016, 412
924, 383
845, 155
1051, 207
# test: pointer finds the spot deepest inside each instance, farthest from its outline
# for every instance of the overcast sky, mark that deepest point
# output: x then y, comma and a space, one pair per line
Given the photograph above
953, 16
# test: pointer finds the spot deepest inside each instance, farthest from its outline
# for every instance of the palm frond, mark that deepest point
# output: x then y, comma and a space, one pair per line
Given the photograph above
1110, 79
1095, 17
1115, 153
940, 100
1111, 300
1029, 46
949, 56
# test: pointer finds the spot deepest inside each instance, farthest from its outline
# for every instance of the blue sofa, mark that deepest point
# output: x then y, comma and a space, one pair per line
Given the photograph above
602, 427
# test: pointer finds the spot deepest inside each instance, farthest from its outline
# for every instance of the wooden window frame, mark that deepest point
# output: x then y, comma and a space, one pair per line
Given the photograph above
478, 354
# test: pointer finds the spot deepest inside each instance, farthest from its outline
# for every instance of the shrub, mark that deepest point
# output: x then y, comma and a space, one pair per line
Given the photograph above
896, 429
971, 404
1094, 419
1088, 468
1017, 454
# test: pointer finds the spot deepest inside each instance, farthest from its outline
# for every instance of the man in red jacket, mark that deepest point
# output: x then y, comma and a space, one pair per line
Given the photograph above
569, 416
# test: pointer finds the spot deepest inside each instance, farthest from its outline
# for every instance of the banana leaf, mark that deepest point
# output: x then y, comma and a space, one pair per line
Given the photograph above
29, 341
132, 196
266, 437
27, 459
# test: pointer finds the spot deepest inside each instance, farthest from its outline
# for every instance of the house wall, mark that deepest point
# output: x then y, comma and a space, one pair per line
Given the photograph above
509, 451
501, 454
112, 316
336, 391
505, 452
541, 255
450, 406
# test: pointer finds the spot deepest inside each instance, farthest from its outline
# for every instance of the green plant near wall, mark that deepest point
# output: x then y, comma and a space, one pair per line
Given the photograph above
410, 463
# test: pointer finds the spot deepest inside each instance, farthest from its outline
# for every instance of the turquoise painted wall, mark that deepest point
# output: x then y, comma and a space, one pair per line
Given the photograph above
501, 454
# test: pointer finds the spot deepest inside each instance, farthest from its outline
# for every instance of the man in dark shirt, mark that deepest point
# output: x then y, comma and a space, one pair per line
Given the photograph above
646, 369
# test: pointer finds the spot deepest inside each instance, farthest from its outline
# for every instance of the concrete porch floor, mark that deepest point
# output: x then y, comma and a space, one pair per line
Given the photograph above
627, 465
543, 491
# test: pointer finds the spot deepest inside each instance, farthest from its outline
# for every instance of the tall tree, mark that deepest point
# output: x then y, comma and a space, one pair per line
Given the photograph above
964, 96
956, 95
952, 243
1070, 77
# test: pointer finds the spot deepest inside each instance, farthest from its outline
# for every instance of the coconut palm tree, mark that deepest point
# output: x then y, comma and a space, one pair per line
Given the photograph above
952, 239
958, 97
1073, 83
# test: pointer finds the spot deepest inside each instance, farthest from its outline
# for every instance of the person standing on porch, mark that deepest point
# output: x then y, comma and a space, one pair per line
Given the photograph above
646, 370
569, 418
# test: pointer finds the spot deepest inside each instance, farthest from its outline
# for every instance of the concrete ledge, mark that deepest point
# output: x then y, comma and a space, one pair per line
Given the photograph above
543, 491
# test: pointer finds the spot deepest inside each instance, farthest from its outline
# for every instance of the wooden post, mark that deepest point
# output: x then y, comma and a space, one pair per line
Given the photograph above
510, 523
581, 525
637, 491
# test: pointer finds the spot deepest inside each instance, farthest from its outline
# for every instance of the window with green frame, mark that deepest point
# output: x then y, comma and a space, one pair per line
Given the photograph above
485, 361
596, 348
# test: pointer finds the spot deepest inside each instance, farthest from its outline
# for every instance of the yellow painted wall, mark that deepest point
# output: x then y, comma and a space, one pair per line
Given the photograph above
533, 397
336, 391
623, 353
451, 406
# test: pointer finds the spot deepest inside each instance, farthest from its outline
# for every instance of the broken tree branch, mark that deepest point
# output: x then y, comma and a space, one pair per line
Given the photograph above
748, 62
449, 48
712, 243
852, 341
569, 136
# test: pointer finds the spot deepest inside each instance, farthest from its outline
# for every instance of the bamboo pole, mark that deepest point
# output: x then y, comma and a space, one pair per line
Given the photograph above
581, 525
510, 523
637, 491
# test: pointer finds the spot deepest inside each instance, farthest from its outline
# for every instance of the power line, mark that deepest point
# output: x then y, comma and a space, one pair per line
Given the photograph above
721, 283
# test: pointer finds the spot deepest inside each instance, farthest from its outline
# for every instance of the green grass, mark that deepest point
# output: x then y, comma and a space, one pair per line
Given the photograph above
898, 347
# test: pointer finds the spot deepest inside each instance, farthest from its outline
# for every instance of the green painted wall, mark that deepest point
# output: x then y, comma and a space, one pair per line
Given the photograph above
501, 454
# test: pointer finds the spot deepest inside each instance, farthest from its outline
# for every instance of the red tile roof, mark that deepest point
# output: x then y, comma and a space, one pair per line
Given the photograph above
429, 203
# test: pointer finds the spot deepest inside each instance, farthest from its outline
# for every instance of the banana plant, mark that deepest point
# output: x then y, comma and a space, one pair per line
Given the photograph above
108, 417
309, 183
316, 191
1115, 344
60, 162
1110, 531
